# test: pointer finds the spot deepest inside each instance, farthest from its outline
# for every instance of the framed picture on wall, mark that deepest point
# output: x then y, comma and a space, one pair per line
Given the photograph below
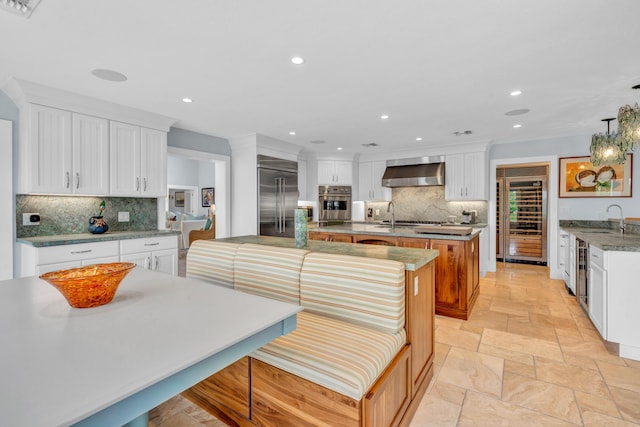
580, 178
208, 197
180, 199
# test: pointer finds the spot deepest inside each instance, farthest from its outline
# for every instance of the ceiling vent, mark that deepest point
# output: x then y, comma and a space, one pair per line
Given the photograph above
22, 8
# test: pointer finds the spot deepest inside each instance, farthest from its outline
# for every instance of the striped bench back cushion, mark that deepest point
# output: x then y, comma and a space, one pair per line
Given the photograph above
212, 261
366, 291
269, 271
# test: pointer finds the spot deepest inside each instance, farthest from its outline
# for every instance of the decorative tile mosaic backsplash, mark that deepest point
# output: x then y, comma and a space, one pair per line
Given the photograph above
424, 203
70, 214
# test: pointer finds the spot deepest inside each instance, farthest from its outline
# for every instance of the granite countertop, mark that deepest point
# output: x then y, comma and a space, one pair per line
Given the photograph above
70, 239
411, 257
398, 231
606, 238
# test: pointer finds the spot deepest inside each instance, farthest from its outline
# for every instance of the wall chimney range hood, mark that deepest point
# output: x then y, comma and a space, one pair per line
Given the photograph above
415, 172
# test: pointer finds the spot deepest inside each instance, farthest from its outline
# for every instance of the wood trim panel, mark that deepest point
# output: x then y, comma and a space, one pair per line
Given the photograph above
420, 321
281, 399
228, 387
386, 402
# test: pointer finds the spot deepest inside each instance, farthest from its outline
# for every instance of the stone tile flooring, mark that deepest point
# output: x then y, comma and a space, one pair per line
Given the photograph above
528, 356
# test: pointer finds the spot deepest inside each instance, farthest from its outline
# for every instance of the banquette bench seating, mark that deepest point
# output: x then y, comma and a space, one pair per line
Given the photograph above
348, 361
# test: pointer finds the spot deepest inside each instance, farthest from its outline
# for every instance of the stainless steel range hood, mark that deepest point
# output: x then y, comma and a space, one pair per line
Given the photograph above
415, 172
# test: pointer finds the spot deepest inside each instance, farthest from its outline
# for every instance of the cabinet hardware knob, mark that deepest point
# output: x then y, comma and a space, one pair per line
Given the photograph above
68, 180
144, 184
77, 180
138, 184
82, 252
152, 244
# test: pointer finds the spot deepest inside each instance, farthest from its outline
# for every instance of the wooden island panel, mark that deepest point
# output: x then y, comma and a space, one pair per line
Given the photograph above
457, 268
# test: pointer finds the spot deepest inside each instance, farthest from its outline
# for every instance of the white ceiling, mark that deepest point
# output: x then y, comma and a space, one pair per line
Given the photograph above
434, 66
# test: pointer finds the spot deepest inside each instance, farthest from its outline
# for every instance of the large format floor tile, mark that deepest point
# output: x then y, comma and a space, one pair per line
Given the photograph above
527, 356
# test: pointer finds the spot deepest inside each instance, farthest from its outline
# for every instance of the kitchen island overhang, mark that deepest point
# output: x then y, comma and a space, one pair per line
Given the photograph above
109, 365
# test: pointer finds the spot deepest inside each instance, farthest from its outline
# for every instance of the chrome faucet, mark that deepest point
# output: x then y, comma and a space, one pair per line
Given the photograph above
391, 206
621, 216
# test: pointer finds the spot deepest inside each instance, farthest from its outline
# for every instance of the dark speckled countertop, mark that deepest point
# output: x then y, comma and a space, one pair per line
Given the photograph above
70, 239
398, 231
606, 238
411, 257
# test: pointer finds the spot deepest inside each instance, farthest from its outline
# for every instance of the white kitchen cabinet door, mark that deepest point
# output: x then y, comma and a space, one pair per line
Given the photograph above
165, 261
153, 253
335, 172
124, 140
48, 154
326, 172
597, 294
153, 166
138, 161
90, 173
370, 181
465, 176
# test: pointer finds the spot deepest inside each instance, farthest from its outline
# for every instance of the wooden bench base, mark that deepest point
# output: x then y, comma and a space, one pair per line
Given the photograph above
278, 398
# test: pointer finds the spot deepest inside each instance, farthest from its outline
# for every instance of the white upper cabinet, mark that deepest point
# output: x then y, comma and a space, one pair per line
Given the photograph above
64, 153
45, 154
72, 144
153, 162
90, 155
370, 181
335, 172
138, 161
466, 176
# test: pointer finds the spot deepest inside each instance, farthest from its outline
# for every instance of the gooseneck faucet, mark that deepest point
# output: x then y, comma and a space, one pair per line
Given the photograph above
621, 216
391, 206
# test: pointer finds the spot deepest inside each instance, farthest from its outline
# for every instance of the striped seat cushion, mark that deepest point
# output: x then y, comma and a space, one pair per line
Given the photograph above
212, 261
269, 271
366, 291
340, 356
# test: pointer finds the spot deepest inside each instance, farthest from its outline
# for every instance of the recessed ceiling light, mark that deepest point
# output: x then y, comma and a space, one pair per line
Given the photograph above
517, 125
339, 148
517, 112
187, 100
297, 60
418, 139
515, 93
292, 133
384, 116
110, 75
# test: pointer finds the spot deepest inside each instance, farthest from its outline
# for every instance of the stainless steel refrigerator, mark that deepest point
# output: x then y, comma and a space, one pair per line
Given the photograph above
277, 196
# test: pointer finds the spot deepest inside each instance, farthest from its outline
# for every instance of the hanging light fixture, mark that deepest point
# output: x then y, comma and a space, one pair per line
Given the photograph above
606, 148
629, 126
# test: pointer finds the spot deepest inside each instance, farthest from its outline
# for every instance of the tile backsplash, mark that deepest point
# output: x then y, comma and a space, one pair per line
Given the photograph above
424, 203
70, 214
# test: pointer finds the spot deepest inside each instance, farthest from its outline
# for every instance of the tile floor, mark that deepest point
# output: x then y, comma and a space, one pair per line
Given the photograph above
528, 356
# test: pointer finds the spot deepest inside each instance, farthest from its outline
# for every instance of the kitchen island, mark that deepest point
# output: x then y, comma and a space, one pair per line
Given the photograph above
457, 268
608, 291
109, 365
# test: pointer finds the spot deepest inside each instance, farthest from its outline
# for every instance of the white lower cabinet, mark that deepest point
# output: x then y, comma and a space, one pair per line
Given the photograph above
153, 253
597, 290
36, 261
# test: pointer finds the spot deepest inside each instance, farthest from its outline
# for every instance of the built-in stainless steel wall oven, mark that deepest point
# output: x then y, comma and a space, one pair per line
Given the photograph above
582, 274
334, 202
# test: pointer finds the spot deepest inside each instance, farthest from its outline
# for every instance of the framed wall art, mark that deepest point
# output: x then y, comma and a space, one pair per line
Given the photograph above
208, 197
580, 178
180, 199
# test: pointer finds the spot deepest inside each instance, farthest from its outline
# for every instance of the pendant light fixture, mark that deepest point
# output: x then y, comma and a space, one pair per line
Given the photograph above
629, 126
606, 148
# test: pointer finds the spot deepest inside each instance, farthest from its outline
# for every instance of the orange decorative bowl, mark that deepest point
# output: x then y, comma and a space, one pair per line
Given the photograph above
91, 285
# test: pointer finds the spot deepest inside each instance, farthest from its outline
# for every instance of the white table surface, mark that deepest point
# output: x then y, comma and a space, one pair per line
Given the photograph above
60, 365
